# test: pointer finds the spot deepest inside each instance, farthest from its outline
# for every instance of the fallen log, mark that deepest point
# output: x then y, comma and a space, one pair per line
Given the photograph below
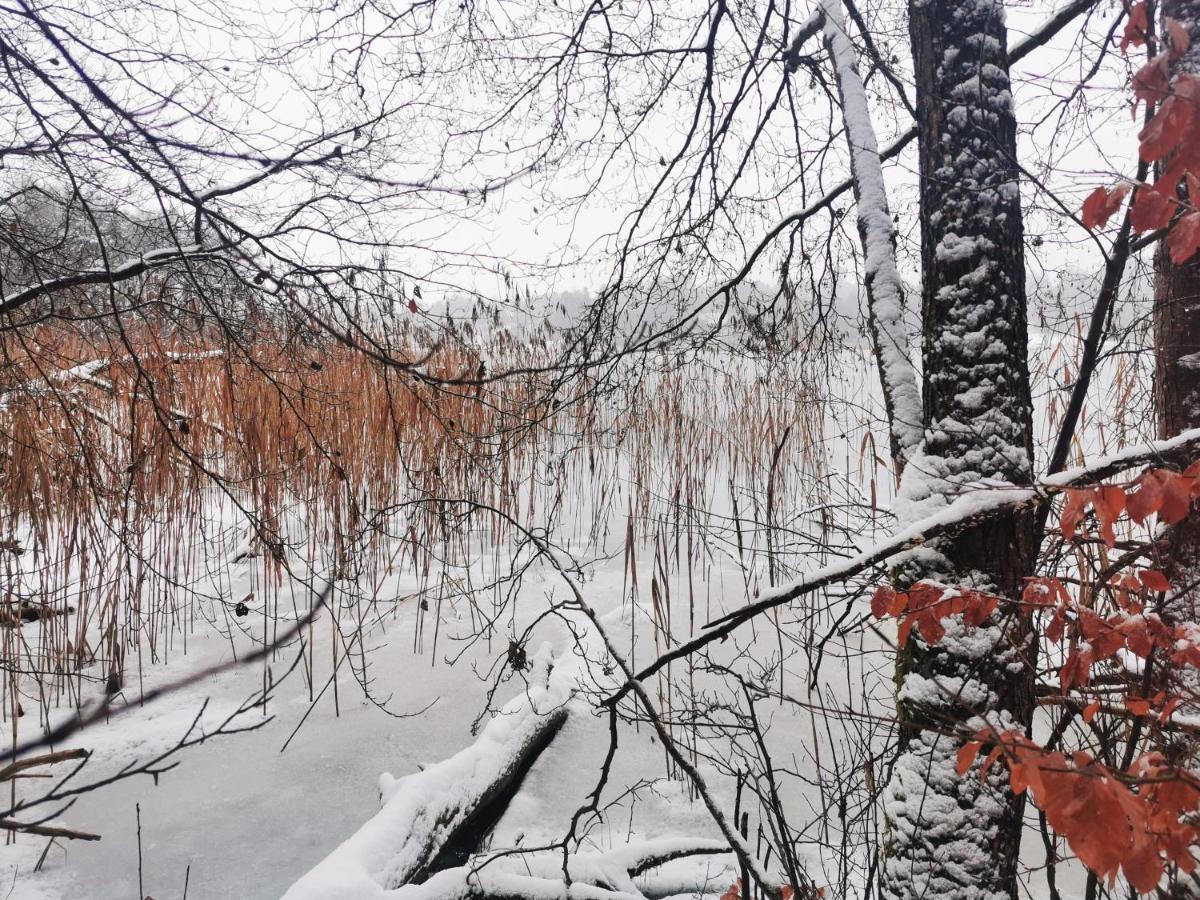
436, 818
606, 875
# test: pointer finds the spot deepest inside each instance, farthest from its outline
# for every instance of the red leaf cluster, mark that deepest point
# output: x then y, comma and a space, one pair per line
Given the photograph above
1162, 491
1110, 826
926, 605
1093, 638
1171, 137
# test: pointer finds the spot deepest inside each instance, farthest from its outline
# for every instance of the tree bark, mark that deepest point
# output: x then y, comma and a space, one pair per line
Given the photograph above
952, 836
1177, 360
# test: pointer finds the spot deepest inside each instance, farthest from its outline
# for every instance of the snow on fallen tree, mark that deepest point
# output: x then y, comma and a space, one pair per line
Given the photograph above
423, 842
428, 817
606, 875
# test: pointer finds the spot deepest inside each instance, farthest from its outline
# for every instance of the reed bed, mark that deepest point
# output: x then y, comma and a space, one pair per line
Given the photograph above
139, 468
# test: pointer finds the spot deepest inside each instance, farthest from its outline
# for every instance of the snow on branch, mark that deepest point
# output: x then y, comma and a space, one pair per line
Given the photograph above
103, 275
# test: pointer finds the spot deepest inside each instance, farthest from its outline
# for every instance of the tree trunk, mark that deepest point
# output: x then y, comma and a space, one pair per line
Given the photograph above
1177, 401
952, 836
1177, 343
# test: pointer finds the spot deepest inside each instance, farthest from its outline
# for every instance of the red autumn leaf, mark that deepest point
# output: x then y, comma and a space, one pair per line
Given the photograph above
991, 758
1076, 670
1054, 631
412, 306
1153, 580
1166, 130
979, 608
1184, 239
1169, 707
1101, 204
1077, 501
1143, 868
1187, 89
1151, 210
966, 755
1137, 706
1090, 624
1107, 643
1089, 711
881, 601
1020, 776
1136, 27
1148, 498
1152, 82
1137, 638
1040, 592
929, 624
1108, 501
1175, 171
1176, 498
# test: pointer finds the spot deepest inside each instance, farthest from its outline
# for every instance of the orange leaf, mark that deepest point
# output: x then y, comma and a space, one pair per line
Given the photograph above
1039, 591
966, 755
979, 607
1166, 130
1169, 707
1151, 82
1089, 711
1137, 706
1143, 867
1108, 501
1077, 501
1176, 498
881, 600
1148, 498
991, 758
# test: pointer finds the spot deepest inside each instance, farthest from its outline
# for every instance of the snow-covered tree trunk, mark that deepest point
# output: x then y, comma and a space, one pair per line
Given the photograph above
952, 836
1177, 343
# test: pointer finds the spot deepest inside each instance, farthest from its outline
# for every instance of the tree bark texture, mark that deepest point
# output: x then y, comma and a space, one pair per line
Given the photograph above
1177, 353
952, 836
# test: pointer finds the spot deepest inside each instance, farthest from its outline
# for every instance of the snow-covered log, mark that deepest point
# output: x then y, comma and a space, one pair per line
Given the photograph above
609, 874
428, 818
